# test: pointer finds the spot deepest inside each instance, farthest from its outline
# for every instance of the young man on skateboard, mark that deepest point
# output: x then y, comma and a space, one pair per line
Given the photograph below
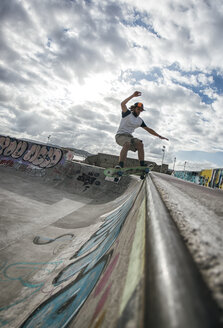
129, 122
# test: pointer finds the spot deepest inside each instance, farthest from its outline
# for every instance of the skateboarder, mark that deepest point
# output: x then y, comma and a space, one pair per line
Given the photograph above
129, 122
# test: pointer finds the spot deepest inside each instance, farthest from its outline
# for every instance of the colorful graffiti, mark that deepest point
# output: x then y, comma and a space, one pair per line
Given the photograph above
188, 176
217, 179
42, 156
212, 178
205, 177
82, 274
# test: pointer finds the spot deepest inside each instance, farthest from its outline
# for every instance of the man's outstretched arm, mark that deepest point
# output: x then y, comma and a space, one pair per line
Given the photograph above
151, 131
124, 102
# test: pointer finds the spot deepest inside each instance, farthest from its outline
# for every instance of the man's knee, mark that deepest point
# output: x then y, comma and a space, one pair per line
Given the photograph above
127, 145
139, 144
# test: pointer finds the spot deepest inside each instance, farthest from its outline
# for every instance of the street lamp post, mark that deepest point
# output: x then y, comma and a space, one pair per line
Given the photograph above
174, 161
163, 150
184, 167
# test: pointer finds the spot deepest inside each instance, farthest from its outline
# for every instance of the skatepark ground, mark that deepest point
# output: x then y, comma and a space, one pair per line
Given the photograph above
45, 221
78, 250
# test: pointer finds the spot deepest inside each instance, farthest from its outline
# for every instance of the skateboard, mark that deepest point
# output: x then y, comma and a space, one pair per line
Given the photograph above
142, 171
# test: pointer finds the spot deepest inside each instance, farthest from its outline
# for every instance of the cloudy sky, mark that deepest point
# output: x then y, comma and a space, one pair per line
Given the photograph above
66, 65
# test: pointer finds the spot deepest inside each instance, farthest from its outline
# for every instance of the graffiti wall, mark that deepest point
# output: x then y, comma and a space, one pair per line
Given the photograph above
217, 178
52, 163
188, 176
212, 178
205, 177
36, 155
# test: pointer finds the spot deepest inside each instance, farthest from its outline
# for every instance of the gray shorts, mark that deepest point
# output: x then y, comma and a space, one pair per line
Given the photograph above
121, 139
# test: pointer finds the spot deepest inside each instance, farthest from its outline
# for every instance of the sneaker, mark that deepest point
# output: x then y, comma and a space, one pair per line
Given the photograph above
144, 165
118, 167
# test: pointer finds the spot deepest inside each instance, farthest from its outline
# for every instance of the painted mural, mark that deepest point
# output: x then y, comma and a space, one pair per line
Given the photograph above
212, 178
217, 179
188, 176
13, 150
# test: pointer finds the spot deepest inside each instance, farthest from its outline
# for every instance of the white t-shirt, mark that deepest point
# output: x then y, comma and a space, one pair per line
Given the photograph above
129, 123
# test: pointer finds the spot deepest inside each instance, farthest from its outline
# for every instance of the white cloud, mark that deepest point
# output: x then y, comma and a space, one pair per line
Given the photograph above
65, 66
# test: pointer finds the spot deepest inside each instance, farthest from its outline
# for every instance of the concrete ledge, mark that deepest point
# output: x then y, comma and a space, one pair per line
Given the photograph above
176, 293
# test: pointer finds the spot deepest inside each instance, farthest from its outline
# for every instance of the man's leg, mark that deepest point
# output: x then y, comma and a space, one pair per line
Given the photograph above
123, 153
140, 148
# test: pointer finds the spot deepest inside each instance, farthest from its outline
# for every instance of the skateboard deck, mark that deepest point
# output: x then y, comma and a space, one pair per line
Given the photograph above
141, 171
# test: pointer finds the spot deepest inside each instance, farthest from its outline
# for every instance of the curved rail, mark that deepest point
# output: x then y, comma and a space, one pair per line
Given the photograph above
176, 295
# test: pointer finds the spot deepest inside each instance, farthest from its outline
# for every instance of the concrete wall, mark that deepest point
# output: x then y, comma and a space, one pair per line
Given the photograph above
188, 176
84, 276
209, 178
33, 154
98, 275
107, 160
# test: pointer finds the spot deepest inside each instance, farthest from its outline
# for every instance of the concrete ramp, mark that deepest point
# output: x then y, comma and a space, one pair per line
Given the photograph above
80, 251
65, 245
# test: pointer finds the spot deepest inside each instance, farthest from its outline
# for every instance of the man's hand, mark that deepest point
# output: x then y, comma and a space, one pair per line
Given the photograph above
137, 94
163, 138
124, 102
154, 133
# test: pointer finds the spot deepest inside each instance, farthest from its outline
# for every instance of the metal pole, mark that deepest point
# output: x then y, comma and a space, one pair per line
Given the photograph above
163, 150
174, 161
184, 167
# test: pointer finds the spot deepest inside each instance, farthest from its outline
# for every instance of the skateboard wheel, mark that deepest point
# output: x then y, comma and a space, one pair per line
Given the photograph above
116, 179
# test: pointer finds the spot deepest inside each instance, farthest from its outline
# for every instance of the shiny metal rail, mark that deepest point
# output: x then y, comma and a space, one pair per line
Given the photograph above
176, 295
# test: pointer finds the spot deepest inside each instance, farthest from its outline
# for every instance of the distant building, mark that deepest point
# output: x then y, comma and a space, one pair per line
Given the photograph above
107, 160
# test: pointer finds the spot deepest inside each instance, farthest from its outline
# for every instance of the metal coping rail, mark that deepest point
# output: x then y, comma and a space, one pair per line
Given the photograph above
176, 295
